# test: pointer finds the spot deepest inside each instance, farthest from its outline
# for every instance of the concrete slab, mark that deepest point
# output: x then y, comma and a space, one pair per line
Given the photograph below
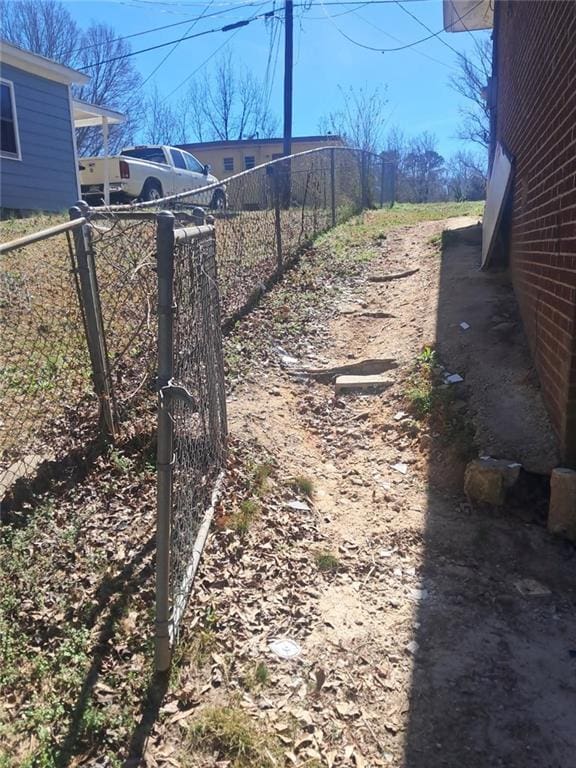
351, 383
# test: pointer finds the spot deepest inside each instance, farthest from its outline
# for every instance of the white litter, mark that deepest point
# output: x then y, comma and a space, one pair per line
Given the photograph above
299, 506
400, 415
400, 467
464, 326
285, 648
418, 594
386, 552
287, 360
412, 647
453, 378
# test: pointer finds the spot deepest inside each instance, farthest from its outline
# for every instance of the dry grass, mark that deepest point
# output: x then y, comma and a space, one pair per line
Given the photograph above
234, 737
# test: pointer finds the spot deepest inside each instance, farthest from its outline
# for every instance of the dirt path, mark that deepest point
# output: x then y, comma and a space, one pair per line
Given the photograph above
426, 653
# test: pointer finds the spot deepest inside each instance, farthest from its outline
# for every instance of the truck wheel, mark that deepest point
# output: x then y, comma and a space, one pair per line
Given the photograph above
218, 202
151, 191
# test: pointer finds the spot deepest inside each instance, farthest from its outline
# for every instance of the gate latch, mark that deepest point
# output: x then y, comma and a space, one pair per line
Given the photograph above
177, 391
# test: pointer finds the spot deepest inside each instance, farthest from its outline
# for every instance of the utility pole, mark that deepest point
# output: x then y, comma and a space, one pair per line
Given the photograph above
288, 66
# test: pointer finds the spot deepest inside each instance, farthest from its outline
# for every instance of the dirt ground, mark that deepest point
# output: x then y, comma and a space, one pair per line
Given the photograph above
427, 652
429, 633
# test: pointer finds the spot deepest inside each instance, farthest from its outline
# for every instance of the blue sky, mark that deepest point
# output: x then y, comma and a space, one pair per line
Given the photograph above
419, 96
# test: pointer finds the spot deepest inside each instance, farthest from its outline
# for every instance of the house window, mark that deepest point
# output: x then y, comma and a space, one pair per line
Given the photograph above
10, 142
249, 161
228, 163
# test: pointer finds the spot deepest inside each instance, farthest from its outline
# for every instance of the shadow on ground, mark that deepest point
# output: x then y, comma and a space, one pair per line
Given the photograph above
494, 677
112, 599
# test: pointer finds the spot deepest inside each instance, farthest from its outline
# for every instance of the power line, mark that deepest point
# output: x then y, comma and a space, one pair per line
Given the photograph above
425, 26
296, 5
393, 37
200, 66
222, 12
170, 52
399, 48
269, 81
270, 14
226, 28
229, 9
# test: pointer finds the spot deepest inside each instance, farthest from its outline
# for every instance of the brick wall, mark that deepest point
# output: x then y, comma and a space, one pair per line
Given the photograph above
535, 63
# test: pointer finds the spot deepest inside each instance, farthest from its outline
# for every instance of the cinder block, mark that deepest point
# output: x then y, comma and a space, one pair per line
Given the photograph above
348, 383
562, 509
487, 479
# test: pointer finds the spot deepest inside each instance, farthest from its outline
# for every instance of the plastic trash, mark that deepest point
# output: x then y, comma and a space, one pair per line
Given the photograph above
285, 648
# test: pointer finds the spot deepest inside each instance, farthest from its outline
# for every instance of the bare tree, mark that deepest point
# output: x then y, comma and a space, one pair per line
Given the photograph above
115, 84
422, 169
471, 83
46, 27
466, 177
229, 105
361, 120
165, 124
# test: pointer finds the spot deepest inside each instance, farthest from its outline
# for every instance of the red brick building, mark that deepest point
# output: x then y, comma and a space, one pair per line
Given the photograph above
533, 101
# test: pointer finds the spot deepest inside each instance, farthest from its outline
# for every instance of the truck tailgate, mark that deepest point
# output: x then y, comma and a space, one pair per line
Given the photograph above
92, 170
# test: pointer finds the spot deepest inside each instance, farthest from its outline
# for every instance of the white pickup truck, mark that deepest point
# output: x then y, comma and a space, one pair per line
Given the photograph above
149, 173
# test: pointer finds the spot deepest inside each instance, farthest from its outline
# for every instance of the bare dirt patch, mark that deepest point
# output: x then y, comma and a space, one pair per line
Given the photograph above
342, 529
429, 653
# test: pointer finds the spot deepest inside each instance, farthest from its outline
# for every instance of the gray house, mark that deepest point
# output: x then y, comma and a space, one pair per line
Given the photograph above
38, 157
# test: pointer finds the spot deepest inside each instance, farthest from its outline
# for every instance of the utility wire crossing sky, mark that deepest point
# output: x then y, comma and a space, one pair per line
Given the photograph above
334, 49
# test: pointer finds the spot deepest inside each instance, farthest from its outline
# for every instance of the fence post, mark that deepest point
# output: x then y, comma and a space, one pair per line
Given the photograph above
363, 179
333, 185
382, 179
276, 186
165, 270
198, 216
93, 322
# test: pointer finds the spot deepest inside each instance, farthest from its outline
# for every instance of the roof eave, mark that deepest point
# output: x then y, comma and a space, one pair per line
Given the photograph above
468, 15
40, 65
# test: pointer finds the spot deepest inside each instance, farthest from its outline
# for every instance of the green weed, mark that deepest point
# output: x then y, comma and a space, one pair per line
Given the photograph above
261, 474
326, 561
120, 461
242, 520
303, 485
262, 674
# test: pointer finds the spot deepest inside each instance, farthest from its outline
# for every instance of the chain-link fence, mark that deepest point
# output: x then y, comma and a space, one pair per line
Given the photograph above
47, 400
192, 426
274, 210
154, 295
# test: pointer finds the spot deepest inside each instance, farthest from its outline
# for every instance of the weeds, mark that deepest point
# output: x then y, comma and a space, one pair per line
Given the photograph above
234, 737
431, 400
302, 485
242, 520
257, 677
120, 461
262, 674
261, 474
326, 561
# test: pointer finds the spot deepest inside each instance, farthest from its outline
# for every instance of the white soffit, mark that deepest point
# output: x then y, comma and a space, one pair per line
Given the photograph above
86, 114
468, 15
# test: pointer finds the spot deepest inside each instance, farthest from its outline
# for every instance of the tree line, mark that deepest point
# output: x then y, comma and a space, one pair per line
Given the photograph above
231, 103
228, 103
